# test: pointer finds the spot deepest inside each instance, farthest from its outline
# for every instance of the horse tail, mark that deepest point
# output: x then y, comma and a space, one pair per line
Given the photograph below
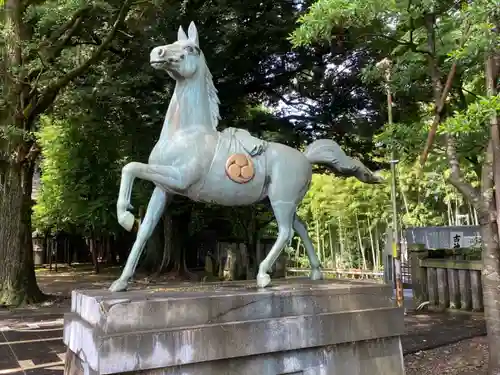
329, 154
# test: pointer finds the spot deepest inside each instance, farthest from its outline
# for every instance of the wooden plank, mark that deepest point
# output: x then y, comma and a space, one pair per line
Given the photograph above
454, 288
418, 278
454, 264
339, 272
477, 290
465, 290
442, 287
432, 286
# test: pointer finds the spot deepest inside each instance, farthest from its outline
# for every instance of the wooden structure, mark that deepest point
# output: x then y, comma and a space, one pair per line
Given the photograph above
340, 273
446, 283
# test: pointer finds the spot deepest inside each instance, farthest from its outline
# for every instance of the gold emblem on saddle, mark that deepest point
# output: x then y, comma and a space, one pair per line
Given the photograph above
239, 168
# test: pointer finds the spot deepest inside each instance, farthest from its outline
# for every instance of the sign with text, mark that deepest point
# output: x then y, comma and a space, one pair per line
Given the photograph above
456, 240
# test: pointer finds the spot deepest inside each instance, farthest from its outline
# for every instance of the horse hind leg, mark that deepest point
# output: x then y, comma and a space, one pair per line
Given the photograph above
284, 213
314, 262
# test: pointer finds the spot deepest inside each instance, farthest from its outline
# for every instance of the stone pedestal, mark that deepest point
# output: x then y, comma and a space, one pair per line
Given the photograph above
295, 327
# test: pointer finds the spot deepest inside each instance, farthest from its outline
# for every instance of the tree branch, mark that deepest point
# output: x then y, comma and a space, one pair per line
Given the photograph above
438, 116
440, 95
116, 51
50, 93
98, 41
72, 74
33, 153
56, 48
413, 47
68, 25
456, 176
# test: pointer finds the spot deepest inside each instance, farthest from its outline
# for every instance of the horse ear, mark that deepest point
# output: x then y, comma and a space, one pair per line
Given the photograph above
193, 33
181, 35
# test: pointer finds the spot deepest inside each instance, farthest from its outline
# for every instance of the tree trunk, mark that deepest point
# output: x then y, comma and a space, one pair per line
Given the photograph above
180, 245
46, 246
168, 242
252, 265
123, 244
56, 251
18, 155
67, 253
235, 262
491, 264
17, 274
251, 230
94, 252
361, 247
372, 246
180, 224
377, 247
167, 248
110, 251
490, 229
333, 256
153, 252
491, 294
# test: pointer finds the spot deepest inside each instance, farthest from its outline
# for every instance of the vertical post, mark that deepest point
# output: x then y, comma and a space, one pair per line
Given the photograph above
396, 244
388, 261
418, 274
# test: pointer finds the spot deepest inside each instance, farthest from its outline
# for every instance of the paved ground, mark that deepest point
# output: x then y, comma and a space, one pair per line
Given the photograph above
32, 345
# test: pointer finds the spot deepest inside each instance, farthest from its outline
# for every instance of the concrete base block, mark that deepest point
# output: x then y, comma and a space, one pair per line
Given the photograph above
295, 327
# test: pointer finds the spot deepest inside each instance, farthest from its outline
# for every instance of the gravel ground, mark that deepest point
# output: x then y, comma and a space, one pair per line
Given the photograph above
467, 357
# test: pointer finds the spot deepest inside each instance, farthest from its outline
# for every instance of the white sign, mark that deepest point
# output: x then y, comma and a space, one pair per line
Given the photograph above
472, 241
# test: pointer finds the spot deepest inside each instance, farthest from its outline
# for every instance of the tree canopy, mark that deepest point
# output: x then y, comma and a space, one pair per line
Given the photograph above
80, 100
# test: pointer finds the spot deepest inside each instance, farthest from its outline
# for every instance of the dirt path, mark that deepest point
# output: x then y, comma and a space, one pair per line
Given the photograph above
430, 330
467, 357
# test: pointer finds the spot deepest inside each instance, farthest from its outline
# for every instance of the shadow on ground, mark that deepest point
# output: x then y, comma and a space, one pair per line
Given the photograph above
432, 330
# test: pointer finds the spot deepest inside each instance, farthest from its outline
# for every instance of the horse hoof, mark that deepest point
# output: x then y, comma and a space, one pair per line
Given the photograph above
127, 220
316, 274
263, 280
118, 285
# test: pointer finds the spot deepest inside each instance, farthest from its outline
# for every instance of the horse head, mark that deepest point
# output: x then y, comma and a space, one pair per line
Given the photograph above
181, 59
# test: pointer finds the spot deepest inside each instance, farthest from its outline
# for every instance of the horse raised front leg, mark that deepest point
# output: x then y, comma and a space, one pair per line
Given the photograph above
159, 174
125, 218
301, 230
284, 213
155, 209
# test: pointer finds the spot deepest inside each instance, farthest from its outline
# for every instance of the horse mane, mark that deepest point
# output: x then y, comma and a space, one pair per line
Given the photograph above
213, 98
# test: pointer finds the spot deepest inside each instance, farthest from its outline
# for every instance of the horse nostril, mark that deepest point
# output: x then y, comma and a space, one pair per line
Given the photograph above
161, 52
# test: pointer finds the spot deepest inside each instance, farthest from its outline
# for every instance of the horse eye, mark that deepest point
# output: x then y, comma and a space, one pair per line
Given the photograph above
189, 49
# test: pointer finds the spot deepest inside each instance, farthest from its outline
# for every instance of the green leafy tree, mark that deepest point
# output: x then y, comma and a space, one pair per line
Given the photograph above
46, 45
439, 50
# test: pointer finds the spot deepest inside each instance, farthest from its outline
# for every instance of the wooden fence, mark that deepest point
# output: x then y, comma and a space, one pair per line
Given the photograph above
337, 273
446, 283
